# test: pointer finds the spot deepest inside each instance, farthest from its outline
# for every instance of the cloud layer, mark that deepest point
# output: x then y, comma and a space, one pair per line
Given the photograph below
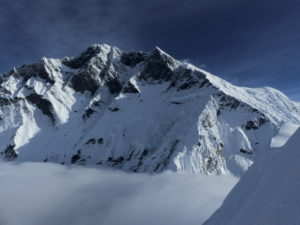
50, 194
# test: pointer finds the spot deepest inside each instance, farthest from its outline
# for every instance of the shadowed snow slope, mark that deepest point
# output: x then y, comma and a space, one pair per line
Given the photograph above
268, 193
136, 111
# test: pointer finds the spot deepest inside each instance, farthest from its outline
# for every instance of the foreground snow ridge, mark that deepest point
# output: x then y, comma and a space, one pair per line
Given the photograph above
268, 193
136, 111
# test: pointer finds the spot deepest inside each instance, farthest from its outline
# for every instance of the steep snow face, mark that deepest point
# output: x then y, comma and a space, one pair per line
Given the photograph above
285, 132
268, 193
135, 111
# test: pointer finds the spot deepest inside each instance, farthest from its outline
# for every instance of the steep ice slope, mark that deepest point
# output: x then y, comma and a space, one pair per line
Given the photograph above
141, 112
268, 193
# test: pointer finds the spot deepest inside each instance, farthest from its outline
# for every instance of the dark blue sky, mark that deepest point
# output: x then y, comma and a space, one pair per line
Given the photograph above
248, 42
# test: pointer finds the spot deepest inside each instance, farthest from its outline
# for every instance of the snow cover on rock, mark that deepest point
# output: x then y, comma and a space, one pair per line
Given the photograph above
268, 193
136, 111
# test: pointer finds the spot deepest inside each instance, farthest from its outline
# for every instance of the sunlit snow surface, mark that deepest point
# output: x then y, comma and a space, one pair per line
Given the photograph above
51, 194
268, 193
139, 112
285, 132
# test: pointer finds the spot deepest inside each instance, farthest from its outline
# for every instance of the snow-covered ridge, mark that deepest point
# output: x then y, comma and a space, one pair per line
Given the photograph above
268, 193
136, 111
268, 100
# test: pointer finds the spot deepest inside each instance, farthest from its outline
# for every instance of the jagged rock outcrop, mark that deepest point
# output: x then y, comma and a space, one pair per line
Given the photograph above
140, 112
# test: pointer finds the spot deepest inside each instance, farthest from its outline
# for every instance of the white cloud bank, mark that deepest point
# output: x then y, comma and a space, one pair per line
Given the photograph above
50, 194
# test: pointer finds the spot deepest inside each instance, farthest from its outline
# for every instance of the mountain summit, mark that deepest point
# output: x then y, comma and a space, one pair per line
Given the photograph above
136, 111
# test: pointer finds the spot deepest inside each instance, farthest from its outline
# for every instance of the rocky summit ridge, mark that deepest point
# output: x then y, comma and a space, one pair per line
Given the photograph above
136, 111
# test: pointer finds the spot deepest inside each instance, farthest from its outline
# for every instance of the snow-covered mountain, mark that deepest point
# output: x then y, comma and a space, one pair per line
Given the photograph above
268, 193
141, 112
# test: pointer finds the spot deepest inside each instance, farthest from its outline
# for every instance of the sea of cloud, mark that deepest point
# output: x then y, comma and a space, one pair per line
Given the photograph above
51, 194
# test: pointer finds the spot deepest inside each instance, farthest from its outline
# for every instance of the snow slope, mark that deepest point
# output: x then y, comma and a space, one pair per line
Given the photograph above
268, 193
136, 111
285, 132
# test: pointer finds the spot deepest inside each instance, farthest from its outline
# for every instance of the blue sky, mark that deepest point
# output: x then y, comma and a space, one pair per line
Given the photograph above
248, 42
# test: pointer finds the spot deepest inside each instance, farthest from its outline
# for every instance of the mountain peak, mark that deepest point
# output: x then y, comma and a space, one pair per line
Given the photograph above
86, 55
136, 111
159, 51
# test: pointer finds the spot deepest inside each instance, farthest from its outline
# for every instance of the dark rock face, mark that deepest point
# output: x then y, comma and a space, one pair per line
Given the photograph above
91, 141
100, 140
130, 88
132, 58
228, 102
87, 113
205, 83
186, 79
187, 85
139, 158
10, 153
84, 82
114, 86
211, 164
115, 161
249, 152
34, 70
76, 157
114, 109
231, 103
251, 125
157, 67
6, 101
169, 153
88, 78
84, 57
43, 104
176, 103
255, 124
